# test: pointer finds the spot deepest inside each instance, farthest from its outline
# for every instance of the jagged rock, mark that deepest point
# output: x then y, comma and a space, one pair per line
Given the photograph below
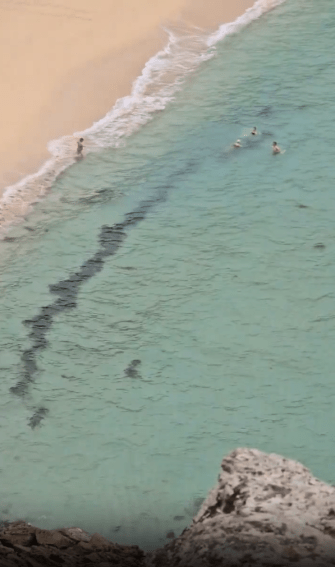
53, 537
76, 533
23, 545
100, 542
18, 533
265, 510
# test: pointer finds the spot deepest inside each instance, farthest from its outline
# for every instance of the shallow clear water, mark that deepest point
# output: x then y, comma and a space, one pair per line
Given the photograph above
216, 274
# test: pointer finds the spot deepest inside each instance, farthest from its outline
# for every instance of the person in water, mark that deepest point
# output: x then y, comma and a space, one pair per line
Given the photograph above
254, 131
275, 148
237, 144
80, 146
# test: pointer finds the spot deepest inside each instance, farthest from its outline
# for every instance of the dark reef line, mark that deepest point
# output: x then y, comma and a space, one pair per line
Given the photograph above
110, 240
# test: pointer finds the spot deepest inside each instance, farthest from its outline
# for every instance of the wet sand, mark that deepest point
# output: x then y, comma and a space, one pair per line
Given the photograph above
63, 66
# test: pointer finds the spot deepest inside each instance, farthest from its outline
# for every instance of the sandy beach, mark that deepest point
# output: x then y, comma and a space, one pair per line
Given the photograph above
63, 66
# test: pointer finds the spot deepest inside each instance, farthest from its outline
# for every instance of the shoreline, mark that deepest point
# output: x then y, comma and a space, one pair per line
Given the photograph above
55, 88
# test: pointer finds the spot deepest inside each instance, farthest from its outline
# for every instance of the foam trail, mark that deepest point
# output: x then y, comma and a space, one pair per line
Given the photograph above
256, 11
162, 77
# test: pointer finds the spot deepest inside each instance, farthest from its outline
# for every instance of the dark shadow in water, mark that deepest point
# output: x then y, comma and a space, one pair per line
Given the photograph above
9, 238
37, 417
131, 370
265, 111
110, 240
96, 197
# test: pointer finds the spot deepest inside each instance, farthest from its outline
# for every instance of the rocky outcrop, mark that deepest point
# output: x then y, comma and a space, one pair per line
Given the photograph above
23, 545
265, 510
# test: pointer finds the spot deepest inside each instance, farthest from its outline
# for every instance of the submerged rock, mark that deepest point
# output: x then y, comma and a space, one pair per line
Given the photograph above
131, 370
265, 510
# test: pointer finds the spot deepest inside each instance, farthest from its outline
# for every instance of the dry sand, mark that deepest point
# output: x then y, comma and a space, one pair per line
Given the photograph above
63, 65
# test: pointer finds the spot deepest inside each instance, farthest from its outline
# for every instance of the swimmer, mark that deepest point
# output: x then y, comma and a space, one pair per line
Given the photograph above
254, 131
275, 148
80, 147
237, 144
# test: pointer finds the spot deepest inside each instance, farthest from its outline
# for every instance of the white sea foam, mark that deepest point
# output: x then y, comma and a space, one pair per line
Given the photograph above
256, 11
162, 77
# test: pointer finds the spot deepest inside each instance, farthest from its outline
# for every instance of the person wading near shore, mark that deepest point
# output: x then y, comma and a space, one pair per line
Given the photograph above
80, 147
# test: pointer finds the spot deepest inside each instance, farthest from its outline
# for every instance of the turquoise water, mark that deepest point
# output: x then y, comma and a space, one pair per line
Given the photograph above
215, 269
